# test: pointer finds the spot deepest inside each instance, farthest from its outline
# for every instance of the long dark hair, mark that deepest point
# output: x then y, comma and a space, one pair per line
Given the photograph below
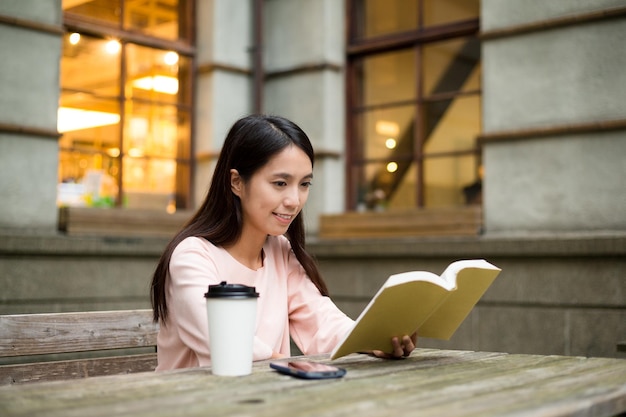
251, 142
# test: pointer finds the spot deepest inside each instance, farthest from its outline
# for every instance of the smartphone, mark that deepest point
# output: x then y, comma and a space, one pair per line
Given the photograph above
308, 370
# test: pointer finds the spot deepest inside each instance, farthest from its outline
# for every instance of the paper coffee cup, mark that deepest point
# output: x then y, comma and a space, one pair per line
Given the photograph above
231, 310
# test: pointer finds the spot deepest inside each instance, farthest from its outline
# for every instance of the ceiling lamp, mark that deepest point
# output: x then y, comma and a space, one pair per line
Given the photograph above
158, 83
69, 119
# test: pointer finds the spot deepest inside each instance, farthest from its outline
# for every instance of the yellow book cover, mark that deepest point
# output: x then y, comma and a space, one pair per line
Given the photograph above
434, 306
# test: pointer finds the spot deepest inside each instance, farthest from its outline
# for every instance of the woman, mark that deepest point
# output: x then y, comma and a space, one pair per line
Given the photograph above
249, 230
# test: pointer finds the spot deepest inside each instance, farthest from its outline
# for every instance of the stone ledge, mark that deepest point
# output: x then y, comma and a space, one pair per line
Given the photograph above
522, 245
581, 244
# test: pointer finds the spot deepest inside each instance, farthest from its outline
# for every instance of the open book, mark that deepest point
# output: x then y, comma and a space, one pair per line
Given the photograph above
434, 306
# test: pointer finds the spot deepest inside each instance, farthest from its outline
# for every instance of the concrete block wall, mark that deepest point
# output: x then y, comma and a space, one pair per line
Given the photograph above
555, 295
59, 273
28, 114
303, 45
554, 77
224, 80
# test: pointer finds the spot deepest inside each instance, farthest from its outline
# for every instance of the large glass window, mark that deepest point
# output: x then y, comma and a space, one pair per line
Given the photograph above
414, 104
125, 105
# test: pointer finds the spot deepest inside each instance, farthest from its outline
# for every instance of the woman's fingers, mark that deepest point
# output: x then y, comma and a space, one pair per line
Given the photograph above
408, 345
400, 347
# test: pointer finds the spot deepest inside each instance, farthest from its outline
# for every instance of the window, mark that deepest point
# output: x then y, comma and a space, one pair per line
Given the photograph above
413, 104
125, 105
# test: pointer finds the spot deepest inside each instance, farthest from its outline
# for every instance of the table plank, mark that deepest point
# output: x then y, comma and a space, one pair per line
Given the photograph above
433, 382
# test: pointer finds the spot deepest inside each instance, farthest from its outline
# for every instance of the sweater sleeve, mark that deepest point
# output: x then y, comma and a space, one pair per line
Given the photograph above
316, 323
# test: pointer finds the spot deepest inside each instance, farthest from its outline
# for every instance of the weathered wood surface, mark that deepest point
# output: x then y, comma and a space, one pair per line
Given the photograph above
36, 334
76, 368
453, 221
26, 335
429, 383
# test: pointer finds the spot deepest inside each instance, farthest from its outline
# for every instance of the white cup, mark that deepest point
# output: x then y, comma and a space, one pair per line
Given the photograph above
231, 310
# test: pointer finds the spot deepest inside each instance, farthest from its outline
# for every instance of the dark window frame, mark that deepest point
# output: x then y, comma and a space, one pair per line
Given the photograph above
358, 48
184, 46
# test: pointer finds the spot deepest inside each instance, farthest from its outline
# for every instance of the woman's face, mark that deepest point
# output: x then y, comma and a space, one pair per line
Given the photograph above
275, 194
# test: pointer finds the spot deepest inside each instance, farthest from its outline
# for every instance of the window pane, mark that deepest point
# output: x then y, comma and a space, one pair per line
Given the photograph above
156, 18
384, 17
87, 179
388, 133
451, 66
452, 181
452, 125
149, 183
437, 12
156, 153
156, 131
153, 74
386, 184
88, 123
387, 78
108, 11
90, 65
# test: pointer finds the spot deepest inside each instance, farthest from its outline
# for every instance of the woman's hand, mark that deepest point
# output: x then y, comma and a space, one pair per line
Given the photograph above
402, 347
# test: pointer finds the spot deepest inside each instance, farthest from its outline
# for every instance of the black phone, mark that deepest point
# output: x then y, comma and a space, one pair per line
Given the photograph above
308, 370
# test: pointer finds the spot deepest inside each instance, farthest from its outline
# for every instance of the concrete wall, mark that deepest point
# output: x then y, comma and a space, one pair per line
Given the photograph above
224, 85
29, 75
554, 78
304, 64
555, 295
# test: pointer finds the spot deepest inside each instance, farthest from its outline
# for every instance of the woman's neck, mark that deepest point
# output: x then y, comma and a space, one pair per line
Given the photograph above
247, 252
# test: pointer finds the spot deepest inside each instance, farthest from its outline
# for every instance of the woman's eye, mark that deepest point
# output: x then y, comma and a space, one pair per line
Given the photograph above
307, 184
280, 183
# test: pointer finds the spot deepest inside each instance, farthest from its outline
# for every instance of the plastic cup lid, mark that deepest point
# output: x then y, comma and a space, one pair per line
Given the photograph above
224, 290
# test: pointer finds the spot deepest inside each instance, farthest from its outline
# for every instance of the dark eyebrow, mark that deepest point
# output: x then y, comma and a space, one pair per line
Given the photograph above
286, 176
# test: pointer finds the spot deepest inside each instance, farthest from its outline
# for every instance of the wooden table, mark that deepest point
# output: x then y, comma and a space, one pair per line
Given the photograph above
429, 383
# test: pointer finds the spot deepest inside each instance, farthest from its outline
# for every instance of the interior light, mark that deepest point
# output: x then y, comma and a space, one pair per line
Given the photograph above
135, 152
113, 152
390, 143
392, 167
113, 46
386, 128
158, 83
170, 58
74, 38
69, 119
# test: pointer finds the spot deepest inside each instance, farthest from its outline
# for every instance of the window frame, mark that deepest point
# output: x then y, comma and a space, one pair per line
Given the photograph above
184, 46
359, 48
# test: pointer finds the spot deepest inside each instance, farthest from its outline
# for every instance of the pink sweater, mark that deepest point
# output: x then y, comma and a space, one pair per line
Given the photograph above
289, 303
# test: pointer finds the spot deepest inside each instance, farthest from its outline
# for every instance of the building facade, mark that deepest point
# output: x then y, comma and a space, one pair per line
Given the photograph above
523, 99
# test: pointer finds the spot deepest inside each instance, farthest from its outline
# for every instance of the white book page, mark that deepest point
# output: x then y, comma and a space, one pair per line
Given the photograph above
403, 277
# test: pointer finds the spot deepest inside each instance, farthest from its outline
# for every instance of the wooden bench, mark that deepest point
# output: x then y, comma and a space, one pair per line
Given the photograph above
452, 221
118, 342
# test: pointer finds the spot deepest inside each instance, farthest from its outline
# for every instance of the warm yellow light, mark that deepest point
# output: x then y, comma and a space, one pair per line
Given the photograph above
386, 128
113, 152
113, 46
392, 167
390, 143
158, 83
69, 119
170, 58
74, 38
135, 152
